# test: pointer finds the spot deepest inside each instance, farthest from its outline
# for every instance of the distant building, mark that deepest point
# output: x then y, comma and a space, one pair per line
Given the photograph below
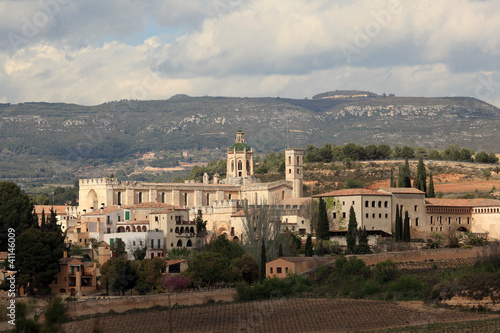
285, 266
74, 278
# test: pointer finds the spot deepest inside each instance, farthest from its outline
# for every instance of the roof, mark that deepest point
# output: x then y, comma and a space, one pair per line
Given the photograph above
156, 205
369, 232
434, 202
303, 259
105, 210
351, 192
58, 209
240, 146
175, 262
402, 190
67, 261
484, 202
240, 213
104, 244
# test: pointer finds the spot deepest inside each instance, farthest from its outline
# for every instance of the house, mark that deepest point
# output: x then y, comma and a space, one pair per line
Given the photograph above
284, 266
66, 215
176, 266
74, 277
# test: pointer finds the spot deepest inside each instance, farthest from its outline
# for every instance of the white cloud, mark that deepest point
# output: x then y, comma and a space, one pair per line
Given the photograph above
293, 48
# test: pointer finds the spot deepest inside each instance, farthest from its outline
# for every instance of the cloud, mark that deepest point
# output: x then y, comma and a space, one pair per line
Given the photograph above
88, 53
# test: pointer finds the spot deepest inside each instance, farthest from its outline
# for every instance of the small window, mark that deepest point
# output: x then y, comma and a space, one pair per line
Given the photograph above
367, 215
343, 203
133, 243
367, 204
373, 215
432, 229
343, 215
271, 270
379, 216
373, 203
278, 270
353, 203
385, 204
416, 222
334, 216
379, 204
386, 216
416, 208
286, 269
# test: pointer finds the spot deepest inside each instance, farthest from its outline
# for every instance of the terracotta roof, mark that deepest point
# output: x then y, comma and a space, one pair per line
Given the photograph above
67, 261
173, 262
402, 190
105, 210
350, 192
58, 209
104, 244
484, 202
447, 202
240, 213
303, 259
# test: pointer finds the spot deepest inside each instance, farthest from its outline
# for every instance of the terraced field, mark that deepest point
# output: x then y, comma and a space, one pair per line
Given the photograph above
295, 315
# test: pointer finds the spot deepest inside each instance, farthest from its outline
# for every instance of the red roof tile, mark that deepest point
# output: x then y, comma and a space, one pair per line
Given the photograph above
402, 190
350, 192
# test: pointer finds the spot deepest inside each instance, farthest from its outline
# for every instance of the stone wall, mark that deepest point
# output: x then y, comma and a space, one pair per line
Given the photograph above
122, 304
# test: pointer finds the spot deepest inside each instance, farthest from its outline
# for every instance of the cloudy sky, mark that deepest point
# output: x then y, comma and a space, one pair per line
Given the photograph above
93, 51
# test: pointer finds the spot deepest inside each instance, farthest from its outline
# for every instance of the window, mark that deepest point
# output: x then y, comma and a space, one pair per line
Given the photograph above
367, 215
343, 215
119, 218
373, 203
140, 197
140, 243
379, 216
298, 171
386, 215
271, 270
119, 198
159, 245
289, 160
416, 208
379, 204
286, 269
298, 159
353, 203
108, 230
432, 228
385, 204
290, 171
416, 222
133, 243
366, 204
240, 165
278, 270
343, 203
156, 218
373, 215
127, 216
334, 216
163, 197
185, 198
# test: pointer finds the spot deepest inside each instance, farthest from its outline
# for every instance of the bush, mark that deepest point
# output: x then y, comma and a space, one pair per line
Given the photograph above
386, 271
174, 283
272, 288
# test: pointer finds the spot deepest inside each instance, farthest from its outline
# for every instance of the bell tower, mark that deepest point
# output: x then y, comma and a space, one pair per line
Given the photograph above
239, 160
294, 167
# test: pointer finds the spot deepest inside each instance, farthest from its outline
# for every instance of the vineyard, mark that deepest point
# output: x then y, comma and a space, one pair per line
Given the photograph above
295, 315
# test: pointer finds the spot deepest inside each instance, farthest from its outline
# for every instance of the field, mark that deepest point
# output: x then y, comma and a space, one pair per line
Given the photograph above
294, 315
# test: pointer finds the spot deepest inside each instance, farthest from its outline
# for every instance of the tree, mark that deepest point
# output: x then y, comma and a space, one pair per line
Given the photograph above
208, 268
392, 180
247, 268
118, 248
121, 275
404, 177
323, 232
229, 250
94, 244
421, 178
397, 224
150, 273
352, 230
280, 251
362, 247
407, 237
201, 226
309, 246
262, 223
16, 212
430, 189
37, 259
263, 260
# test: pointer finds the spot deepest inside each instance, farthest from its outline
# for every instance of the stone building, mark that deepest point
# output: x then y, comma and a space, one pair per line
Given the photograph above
218, 198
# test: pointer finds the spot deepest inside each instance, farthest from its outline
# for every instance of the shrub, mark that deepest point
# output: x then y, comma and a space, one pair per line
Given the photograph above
174, 283
386, 271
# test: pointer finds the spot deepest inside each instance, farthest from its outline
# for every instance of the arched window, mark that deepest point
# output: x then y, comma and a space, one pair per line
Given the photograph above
179, 243
119, 198
182, 230
367, 204
185, 198
240, 165
163, 197
140, 197
189, 243
385, 204
232, 166
176, 230
298, 160
248, 166
191, 230
373, 203
289, 160
379, 204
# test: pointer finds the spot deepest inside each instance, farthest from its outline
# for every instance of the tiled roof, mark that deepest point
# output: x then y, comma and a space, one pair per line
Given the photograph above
303, 259
484, 202
402, 190
58, 209
294, 202
351, 192
105, 210
447, 202
153, 205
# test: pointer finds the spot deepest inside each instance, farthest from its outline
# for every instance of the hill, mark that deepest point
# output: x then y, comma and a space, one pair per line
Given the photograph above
51, 140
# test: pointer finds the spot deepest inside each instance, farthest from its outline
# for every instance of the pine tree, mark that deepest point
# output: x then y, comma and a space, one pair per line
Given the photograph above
430, 189
352, 230
392, 181
406, 174
263, 260
407, 237
323, 232
397, 225
421, 178
309, 246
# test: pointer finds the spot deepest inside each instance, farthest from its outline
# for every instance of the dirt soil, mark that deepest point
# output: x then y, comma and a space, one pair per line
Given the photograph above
279, 315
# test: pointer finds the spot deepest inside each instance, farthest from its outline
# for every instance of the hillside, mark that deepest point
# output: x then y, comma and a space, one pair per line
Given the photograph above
54, 140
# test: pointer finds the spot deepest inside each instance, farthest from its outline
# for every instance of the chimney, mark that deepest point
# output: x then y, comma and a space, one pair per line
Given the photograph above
91, 209
65, 254
84, 211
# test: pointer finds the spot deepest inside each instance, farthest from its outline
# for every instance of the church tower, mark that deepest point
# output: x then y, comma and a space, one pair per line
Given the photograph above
294, 167
239, 160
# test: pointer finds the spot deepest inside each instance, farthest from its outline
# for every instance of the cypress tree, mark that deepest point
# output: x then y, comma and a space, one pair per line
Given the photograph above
400, 176
430, 189
280, 251
263, 260
421, 178
406, 174
352, 230
363, 247
309, 246
392, 181
401, 229
398, 227
323, 232
407, 237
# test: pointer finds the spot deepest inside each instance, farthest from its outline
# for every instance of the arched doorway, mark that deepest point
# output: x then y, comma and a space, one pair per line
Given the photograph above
92, 199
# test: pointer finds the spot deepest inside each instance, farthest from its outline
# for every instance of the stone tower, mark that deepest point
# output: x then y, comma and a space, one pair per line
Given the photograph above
294, 162
239, 160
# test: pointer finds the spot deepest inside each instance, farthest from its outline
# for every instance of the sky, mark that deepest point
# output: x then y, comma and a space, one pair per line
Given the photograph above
94, 51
